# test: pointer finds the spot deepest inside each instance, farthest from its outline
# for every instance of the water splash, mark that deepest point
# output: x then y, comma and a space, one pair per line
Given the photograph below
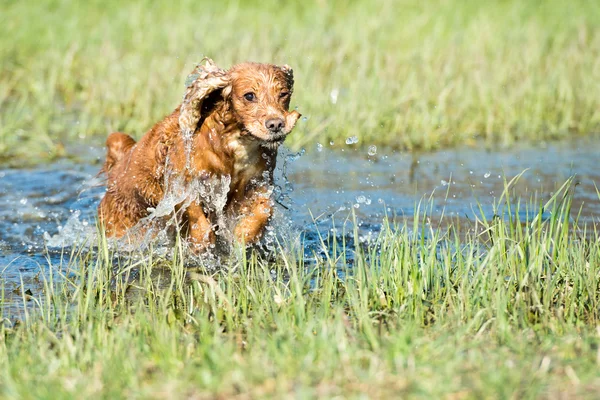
159, 227
156, 232
352, 140
75, 232
333, 95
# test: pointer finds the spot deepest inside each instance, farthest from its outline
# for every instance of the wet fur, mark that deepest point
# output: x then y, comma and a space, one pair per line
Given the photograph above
228, 135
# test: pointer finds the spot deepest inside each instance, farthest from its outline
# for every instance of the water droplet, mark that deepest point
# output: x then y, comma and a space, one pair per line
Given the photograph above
319, 147
487, 175
444, 183
361, 199
333, 95
372, 150
352, 140
23, 201
331, 143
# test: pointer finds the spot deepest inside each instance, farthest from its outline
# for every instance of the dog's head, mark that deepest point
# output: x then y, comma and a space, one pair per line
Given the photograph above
260, 97
257, 97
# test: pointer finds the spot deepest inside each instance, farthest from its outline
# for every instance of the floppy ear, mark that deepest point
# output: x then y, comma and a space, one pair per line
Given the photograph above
203, 80
117, 145
289, 74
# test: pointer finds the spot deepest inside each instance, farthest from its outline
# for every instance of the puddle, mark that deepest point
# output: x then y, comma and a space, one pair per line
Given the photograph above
456, 180
45, 208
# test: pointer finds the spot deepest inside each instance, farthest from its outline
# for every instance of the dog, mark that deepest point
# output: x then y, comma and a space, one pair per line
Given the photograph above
228, 128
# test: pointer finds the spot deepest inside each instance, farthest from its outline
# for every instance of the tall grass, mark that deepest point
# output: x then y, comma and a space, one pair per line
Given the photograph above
402, 73
504, 309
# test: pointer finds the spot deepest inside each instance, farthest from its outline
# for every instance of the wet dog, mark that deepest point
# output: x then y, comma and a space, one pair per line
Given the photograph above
228, 130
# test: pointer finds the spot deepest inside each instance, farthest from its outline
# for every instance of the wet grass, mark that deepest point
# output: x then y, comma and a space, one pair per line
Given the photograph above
408, 74
505, 309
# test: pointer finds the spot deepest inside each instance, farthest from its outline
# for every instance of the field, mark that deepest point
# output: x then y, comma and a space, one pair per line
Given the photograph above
506, 307
406, 74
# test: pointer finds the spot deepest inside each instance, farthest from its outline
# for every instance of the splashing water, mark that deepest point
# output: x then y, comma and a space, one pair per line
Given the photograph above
333, 95
283, 187
75, 232
156, 231
352, 140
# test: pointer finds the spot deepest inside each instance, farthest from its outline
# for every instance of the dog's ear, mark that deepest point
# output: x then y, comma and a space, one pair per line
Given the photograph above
289, 74
203, 80
117, 145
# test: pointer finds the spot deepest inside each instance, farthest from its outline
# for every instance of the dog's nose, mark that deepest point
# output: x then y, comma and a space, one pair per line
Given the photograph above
274, 124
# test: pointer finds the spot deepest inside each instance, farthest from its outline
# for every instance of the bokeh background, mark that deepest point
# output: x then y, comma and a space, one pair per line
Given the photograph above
399, 73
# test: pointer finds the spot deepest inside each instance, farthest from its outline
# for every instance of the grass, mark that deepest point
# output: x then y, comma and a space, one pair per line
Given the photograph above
502, 308
505, 308
405, 74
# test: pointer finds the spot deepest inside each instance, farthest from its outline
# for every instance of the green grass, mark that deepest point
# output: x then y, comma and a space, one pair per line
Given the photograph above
410, 74
504, 308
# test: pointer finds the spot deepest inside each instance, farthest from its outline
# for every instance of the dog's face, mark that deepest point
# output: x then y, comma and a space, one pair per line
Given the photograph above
260, 96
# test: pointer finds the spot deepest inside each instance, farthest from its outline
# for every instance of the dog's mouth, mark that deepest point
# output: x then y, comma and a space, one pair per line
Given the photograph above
277, 138
273, 142
268, 140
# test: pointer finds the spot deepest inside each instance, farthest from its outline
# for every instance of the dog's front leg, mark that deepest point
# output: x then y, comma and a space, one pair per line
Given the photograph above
200, 233
255, 210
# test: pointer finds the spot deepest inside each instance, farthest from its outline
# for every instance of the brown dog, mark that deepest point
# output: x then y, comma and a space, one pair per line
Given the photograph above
220, 143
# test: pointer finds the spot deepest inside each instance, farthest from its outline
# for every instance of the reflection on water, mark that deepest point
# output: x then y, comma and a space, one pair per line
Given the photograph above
37, 204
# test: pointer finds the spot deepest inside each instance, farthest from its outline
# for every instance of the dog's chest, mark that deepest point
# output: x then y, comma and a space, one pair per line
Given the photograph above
248, 162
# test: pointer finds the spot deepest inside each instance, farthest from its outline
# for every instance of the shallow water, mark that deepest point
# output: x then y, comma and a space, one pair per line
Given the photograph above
37, 204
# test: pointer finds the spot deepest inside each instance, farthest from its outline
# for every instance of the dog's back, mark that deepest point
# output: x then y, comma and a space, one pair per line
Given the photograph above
112, 207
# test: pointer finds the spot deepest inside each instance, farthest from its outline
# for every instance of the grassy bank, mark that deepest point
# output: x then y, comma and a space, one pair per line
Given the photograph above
402, 73
505, 309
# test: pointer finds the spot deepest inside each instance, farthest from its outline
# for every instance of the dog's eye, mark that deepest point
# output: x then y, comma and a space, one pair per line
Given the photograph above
250, 96
283, 95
